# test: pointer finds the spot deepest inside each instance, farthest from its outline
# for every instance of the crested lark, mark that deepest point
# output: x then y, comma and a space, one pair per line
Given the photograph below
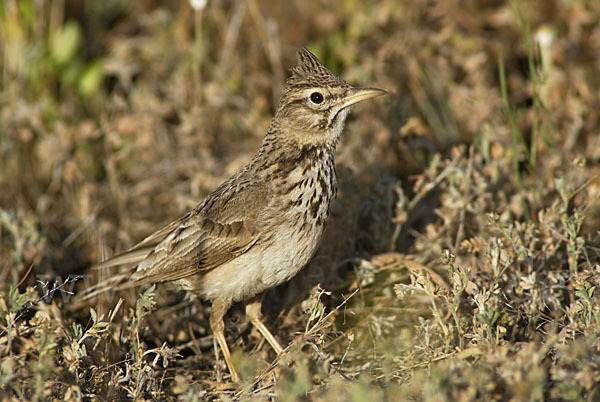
260, 227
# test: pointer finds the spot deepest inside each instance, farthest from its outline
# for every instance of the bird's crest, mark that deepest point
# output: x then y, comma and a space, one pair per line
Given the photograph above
310, 71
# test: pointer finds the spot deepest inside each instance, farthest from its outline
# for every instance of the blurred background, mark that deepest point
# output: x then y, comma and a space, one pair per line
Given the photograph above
117, 117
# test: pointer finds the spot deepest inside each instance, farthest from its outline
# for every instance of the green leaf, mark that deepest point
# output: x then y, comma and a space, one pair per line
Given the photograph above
91, 79
65, 43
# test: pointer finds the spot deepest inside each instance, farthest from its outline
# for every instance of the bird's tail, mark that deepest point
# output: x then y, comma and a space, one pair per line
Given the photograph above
114, 282
130, 277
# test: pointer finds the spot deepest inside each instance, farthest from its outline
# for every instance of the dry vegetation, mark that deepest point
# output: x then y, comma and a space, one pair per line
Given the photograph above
462, 259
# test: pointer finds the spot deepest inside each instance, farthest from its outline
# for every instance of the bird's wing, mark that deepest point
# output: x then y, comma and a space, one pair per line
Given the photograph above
224, 226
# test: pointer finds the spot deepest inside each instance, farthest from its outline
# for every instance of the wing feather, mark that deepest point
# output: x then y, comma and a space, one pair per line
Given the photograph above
224, 226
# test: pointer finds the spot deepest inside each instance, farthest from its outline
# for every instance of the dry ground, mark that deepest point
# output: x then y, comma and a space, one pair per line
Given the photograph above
462, 259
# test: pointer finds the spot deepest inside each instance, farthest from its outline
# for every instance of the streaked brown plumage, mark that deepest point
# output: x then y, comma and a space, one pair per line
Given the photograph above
263, 225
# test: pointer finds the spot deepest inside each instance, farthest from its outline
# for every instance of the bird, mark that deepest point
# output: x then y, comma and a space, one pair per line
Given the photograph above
260, 227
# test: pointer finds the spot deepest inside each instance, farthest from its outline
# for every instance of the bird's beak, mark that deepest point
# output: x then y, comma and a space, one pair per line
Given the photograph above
356, 95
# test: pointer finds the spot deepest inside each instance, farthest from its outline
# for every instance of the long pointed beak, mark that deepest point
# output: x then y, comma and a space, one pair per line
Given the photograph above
360, 94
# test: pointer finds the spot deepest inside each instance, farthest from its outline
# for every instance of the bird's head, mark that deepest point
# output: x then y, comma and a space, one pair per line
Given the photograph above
316, 102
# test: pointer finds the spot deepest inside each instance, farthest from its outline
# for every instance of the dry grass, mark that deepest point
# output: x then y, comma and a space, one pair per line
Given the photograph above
461, 261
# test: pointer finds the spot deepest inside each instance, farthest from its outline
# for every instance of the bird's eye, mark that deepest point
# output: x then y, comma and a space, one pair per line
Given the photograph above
316, 97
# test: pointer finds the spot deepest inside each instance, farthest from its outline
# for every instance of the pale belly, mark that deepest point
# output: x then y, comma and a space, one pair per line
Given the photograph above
259, 269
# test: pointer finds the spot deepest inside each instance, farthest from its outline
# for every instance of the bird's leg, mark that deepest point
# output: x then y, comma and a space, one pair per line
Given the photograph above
218, 310
253, 313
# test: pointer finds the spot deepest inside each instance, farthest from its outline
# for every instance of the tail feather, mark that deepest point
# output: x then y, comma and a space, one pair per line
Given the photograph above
131, 257
113, 283
121, 280
128, 257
